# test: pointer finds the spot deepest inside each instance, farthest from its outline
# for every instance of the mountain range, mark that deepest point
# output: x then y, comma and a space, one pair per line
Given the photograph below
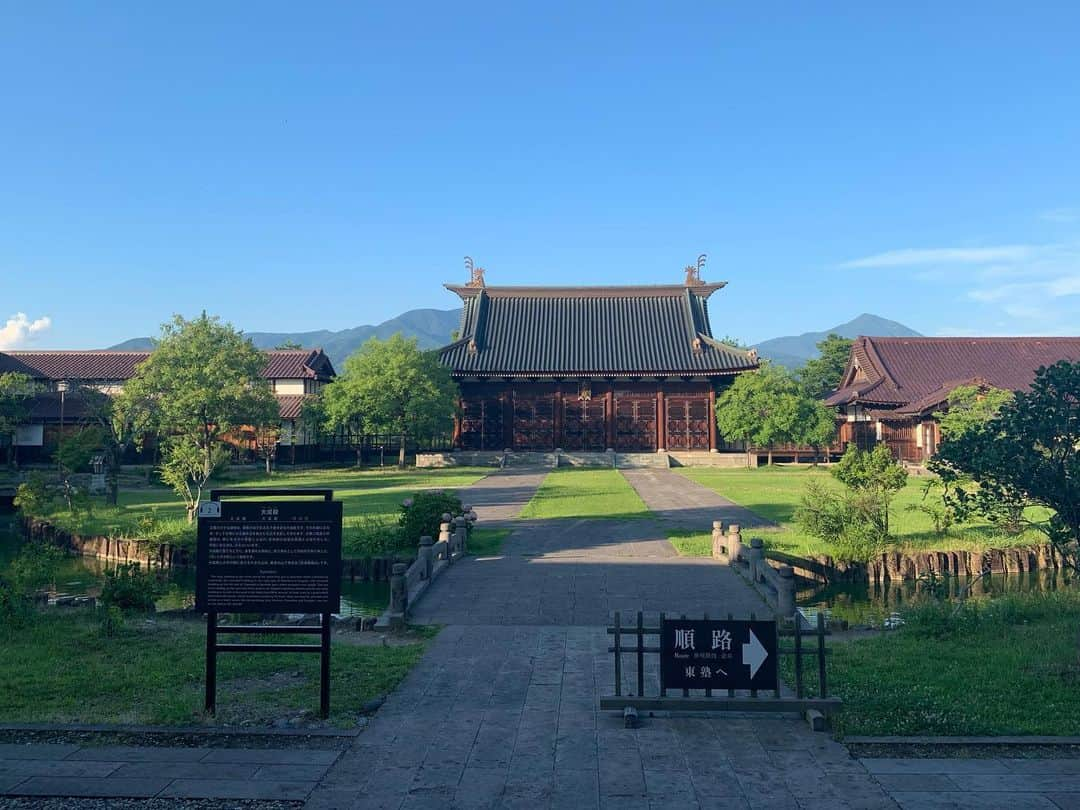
433, 327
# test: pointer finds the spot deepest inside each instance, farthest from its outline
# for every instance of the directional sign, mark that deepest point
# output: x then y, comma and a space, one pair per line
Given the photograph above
707, 654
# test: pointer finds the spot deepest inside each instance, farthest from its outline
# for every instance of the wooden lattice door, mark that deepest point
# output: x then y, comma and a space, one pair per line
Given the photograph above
534, 423
688, 423
481, 424
585, 425
635, 424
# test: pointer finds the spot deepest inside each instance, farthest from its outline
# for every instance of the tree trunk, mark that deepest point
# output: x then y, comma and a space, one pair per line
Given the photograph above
268, 466
359, 456
770, 455
401, 453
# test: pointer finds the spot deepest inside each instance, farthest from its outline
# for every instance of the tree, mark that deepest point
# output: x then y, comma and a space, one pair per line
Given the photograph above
821, 375
205, 382
267, 438
16, 390
769, 408
288, 343
74, 453
122, 422
1029, 454
971, 408
872, 471
392, 386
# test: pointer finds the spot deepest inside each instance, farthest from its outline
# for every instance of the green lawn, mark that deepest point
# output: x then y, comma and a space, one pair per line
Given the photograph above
1002, 667
774, 493
60, 668
580, 493
364, 494
487, 542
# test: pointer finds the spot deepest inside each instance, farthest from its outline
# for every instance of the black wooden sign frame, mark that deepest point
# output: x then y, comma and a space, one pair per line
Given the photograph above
323, 631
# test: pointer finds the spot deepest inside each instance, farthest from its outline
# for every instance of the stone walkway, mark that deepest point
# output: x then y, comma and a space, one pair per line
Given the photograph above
164, 773
686, 504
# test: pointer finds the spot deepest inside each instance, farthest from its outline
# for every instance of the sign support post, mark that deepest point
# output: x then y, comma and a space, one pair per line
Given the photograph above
281, 556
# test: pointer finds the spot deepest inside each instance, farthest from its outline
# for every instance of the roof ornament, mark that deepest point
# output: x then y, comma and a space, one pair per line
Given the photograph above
476, 274
693, 273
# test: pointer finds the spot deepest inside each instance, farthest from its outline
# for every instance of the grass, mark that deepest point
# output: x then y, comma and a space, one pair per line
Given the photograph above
487, 542
364, 494
1002, 667
578, 493
774, 494
58, 667
691, 544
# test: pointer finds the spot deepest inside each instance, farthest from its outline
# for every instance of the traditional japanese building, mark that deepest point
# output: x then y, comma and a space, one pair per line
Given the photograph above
586, 369
893, 386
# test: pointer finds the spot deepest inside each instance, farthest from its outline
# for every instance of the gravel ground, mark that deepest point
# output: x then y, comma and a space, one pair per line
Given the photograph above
145, 804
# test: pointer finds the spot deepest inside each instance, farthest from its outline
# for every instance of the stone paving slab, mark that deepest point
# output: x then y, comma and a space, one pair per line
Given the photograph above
685, 504
161, 772
501, 496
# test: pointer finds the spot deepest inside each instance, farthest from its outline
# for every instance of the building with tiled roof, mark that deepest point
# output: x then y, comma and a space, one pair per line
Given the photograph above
892, 386
633, 369
293, 375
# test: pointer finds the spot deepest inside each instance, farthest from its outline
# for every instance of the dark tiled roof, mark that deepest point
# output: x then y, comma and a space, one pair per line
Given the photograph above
557, 331
290, 405
916, 374
111, 365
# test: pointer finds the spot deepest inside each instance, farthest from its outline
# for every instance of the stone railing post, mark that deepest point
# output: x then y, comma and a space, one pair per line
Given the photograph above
785, 591
718, 550
444, 536
427, 559
399, 594
756, 557
734, 541
461, 533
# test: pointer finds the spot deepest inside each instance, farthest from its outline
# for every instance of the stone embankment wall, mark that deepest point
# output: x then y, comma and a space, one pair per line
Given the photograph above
895, 566
163, 555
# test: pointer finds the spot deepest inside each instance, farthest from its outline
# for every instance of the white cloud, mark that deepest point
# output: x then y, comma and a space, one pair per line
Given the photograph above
910, 257
19, 330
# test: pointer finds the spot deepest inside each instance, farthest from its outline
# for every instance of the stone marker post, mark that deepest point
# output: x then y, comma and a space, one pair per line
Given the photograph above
399, 595
785, 592
718, 550
426, 556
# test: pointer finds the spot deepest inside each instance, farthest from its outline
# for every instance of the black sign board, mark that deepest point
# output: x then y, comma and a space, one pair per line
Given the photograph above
707, 654
269, 557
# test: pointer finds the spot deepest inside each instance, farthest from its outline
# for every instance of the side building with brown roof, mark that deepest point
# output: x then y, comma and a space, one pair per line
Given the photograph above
893, 386
634, 369
293, 375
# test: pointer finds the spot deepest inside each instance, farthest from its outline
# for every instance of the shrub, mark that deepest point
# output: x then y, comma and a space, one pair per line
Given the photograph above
127, 587
34, 567
850, 522
374, 536
422, 514
33, 497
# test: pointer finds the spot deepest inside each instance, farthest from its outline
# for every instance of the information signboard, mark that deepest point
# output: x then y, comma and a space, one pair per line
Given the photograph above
269, 557
708, 654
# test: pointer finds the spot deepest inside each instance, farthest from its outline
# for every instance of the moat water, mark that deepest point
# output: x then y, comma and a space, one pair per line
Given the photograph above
83, 576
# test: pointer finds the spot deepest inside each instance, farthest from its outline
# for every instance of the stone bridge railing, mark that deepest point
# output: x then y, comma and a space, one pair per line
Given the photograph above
775, 584
408, 584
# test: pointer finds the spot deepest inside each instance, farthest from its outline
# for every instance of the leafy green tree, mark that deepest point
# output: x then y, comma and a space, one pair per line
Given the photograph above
768, 408
289, 344
391, 386
1029, 454
820, 376
72, 455
205, 382
16, 391
123, 421
971, 408
872, 471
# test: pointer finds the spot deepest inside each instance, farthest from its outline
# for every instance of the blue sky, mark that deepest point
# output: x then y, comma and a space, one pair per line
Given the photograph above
300, 166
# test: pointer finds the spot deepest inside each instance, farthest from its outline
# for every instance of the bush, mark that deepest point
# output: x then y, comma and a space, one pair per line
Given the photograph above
373, 537
421, 514
127, 587
850, 522
34, 567
33, 497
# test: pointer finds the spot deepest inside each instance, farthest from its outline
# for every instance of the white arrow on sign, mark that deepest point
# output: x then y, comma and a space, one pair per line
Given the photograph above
754, 654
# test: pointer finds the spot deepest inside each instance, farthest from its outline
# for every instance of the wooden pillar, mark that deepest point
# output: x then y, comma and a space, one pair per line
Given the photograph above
712, 420
557, 418
661, 418
455, 442
609, 416
507, 399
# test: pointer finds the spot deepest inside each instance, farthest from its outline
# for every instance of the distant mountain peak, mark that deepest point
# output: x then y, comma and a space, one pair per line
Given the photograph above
794, 350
